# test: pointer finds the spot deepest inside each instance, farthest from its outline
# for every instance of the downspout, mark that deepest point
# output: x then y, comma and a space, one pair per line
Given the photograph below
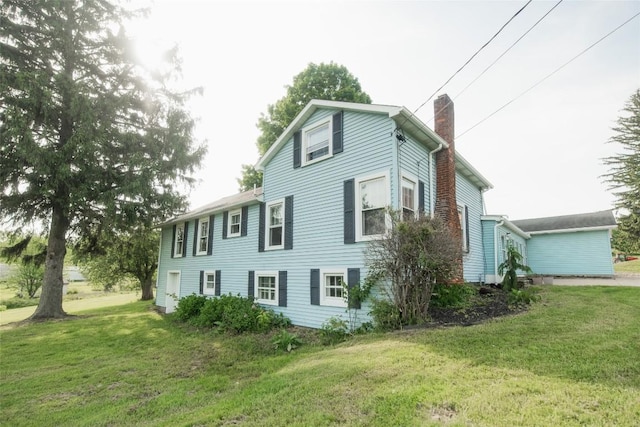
495, 250
432, 156
158, 267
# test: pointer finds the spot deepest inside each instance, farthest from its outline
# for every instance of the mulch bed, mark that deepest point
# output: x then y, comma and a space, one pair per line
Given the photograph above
488, 304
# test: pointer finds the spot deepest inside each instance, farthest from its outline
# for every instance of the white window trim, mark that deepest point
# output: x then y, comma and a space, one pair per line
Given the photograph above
304, 141
332, 301
176, 253
416, 189
267, 228
358, 181
205, 290
462, 212
256, 282
199, 236
230, 215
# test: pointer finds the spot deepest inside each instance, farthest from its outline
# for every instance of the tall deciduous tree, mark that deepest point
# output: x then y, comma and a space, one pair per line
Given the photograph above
324, 81
88, 138
127, 254
624, 169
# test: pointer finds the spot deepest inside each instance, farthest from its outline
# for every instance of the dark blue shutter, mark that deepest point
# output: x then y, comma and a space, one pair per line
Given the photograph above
315, 286
244, 221
297, 149
173, 241
225, 224
421, 197
353, 280
261, 228
217, 291
201, 282
349, 212
337, 133
251, 288
282, 288
195, 237
210, 241
184, 239
288, 222
466, 218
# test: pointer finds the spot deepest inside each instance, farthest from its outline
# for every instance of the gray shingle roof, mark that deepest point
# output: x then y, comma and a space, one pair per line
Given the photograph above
567, 222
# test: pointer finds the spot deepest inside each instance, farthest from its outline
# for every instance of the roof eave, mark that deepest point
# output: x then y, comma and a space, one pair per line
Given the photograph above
574, 230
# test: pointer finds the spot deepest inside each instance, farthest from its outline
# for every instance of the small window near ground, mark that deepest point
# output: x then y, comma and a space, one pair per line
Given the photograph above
333, 288
266, 290
209, 287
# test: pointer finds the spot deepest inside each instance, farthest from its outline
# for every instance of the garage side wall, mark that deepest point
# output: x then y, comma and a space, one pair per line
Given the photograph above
582, 253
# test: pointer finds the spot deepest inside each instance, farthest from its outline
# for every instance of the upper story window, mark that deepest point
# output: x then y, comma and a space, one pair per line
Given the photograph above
316, 142
235, 220
464, 226
203, 236
178, 244
275, 225
409, 198
372, 198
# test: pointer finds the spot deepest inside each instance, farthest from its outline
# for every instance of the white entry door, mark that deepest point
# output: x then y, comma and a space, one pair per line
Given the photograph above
172, 292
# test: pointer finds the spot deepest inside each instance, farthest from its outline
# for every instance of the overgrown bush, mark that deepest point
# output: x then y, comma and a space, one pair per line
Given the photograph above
409, 260
385, 314
229, 313
452, 295
333, 331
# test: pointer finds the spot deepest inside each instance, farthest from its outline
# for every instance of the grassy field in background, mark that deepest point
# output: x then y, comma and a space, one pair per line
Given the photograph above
627, 266
571, 360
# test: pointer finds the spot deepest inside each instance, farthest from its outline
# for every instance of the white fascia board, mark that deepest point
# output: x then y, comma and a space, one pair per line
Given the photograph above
574, 230
507, 224
472, 173
308, 110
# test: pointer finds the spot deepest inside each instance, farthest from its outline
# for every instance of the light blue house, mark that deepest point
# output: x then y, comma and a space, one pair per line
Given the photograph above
327, 182
570, 245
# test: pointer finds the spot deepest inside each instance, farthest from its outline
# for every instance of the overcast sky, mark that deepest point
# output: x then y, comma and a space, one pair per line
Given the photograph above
543, 152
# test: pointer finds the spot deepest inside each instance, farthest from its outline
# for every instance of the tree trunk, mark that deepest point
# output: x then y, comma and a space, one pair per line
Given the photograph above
50, 305
147, 288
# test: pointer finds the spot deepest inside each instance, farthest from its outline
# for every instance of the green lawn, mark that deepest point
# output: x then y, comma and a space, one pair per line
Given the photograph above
572, 360
627, 266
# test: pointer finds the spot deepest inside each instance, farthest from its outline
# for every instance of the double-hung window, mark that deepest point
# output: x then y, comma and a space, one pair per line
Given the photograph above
178, 246
275, 225
266, 289
372, 199
316, 142
333, 288
409, 198
203, 236
209, 285
235, 220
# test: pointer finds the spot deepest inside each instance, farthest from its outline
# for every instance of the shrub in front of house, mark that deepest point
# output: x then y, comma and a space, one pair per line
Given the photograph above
229, 313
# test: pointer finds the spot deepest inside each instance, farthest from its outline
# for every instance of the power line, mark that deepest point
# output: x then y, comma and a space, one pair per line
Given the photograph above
497, 59
474, 55
551, 74
469, 60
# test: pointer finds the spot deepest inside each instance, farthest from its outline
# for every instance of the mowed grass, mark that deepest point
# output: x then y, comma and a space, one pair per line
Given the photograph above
627, 266
573, 359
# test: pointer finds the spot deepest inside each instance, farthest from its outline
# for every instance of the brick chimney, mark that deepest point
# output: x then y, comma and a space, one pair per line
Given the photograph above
446, 206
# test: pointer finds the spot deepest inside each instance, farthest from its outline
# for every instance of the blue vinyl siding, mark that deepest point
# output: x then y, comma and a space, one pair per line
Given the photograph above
503, 234
582, 253
473, 262
488, 243
414, 159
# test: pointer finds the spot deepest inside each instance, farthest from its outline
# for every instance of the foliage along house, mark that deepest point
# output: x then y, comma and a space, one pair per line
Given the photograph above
327, 181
